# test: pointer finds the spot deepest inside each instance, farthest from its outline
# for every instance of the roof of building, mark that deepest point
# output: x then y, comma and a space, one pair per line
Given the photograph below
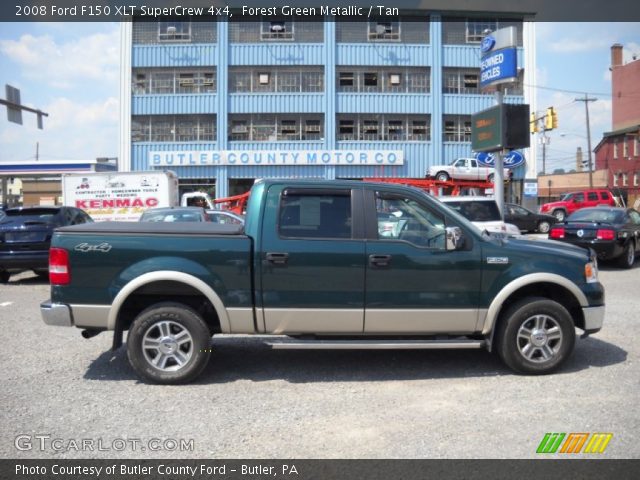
615, 133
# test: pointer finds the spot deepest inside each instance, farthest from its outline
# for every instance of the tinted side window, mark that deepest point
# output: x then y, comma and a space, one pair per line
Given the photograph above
315, 215
592, 196
579, 197
604, 195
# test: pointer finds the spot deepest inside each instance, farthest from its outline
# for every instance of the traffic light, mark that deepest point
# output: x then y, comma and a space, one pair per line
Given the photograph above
554, 118
533, 123
548, 119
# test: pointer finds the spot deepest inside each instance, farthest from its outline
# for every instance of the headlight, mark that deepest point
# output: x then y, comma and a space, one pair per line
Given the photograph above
591, 272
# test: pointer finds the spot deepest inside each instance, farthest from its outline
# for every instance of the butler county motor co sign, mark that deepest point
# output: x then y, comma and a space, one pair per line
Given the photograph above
199, 158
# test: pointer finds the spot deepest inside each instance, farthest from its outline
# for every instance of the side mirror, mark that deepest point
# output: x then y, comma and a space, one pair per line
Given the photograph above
455, 238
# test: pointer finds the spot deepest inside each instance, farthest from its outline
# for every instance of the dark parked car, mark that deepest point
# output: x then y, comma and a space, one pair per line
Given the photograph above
25, 235
614, 233
526, 220
175, 214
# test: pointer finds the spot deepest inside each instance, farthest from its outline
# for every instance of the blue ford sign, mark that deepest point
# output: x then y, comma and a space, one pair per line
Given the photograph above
487, 44
498, 67
511, 160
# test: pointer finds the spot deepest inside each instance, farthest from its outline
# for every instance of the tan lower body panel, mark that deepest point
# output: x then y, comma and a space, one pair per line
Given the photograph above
286, 321
90, 316
421, 321
241, 320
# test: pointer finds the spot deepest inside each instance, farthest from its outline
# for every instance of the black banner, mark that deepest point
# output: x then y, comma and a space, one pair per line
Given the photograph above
238, 10
548, 469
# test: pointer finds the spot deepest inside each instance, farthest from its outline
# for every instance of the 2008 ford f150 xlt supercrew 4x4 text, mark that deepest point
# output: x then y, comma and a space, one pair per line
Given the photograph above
331, 264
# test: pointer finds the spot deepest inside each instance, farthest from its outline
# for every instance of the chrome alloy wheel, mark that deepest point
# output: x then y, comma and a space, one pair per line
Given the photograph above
167, 346
539, 338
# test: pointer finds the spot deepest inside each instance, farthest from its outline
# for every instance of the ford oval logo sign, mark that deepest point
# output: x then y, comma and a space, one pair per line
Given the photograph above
487, 44
512, 159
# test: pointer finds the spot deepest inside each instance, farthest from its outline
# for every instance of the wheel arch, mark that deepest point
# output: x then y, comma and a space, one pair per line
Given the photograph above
118, 322
546, 285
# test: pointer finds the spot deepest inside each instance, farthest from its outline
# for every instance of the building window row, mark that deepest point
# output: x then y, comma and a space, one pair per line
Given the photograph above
407, 29
625, 140
173, 128
467, 81
173, 31
297, 127
168, 81
387, 127
276, 127
285, 80
384, 80
465, 31
276, 30
621, 179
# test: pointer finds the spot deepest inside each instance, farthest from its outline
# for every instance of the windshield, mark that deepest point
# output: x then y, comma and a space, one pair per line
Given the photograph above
596, 216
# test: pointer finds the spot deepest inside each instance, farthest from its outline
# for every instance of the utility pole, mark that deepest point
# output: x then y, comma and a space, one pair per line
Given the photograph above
586, 101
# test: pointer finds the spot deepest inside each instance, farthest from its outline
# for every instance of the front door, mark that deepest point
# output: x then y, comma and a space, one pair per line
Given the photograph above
413, 284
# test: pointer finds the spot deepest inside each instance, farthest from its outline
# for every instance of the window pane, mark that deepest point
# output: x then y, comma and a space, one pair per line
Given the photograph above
401, 218
315, 216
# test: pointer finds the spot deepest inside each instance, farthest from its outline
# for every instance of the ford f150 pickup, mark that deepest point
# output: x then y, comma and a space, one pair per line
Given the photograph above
330, 264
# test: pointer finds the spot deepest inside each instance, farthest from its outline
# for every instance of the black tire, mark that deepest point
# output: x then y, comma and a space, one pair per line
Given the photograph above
543, 318
560, 215
4, 276
544, 226
168, 321
442, 176
627, 259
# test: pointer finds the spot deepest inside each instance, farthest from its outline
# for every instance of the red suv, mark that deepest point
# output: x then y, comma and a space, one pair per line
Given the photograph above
573, 201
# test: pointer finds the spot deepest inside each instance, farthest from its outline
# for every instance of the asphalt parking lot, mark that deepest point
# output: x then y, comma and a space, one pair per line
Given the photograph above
256, 403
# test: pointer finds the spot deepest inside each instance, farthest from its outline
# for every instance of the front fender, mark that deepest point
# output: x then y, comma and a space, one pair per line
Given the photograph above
518, 283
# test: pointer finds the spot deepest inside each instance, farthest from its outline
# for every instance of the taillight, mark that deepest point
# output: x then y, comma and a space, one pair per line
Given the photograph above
59, 273
605, 234
556, 233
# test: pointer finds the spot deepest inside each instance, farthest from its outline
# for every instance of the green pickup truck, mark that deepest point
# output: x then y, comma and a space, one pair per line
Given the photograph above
328, 264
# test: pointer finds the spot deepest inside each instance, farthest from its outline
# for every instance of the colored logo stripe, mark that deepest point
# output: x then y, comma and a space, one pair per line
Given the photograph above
598, 443
574, 443
550, 443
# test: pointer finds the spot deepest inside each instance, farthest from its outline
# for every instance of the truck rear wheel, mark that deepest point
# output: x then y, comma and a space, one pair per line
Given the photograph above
168, 343
535, 336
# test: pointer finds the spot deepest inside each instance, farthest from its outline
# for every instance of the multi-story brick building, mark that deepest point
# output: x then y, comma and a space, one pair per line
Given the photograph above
224, 103
619, 150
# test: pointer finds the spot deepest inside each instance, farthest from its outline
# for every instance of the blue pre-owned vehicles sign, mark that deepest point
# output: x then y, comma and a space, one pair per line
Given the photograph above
499, 66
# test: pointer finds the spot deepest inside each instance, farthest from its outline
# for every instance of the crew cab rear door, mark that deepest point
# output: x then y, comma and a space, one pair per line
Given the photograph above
312, 261
413, 284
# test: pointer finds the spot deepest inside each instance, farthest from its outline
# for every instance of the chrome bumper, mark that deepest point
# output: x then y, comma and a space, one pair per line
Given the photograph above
56, 314
593, 318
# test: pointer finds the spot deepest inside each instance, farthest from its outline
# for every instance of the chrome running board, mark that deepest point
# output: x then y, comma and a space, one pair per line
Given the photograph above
376, 344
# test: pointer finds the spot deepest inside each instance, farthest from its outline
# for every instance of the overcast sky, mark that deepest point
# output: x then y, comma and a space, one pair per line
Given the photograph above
71, 71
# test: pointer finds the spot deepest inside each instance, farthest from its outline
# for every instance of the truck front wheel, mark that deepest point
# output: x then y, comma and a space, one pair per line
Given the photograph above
535, 336
168, 343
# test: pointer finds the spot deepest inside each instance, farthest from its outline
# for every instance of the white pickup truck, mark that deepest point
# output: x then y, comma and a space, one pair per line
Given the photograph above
463, 169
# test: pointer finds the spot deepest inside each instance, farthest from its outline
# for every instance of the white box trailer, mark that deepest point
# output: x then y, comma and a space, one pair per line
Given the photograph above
120, 196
